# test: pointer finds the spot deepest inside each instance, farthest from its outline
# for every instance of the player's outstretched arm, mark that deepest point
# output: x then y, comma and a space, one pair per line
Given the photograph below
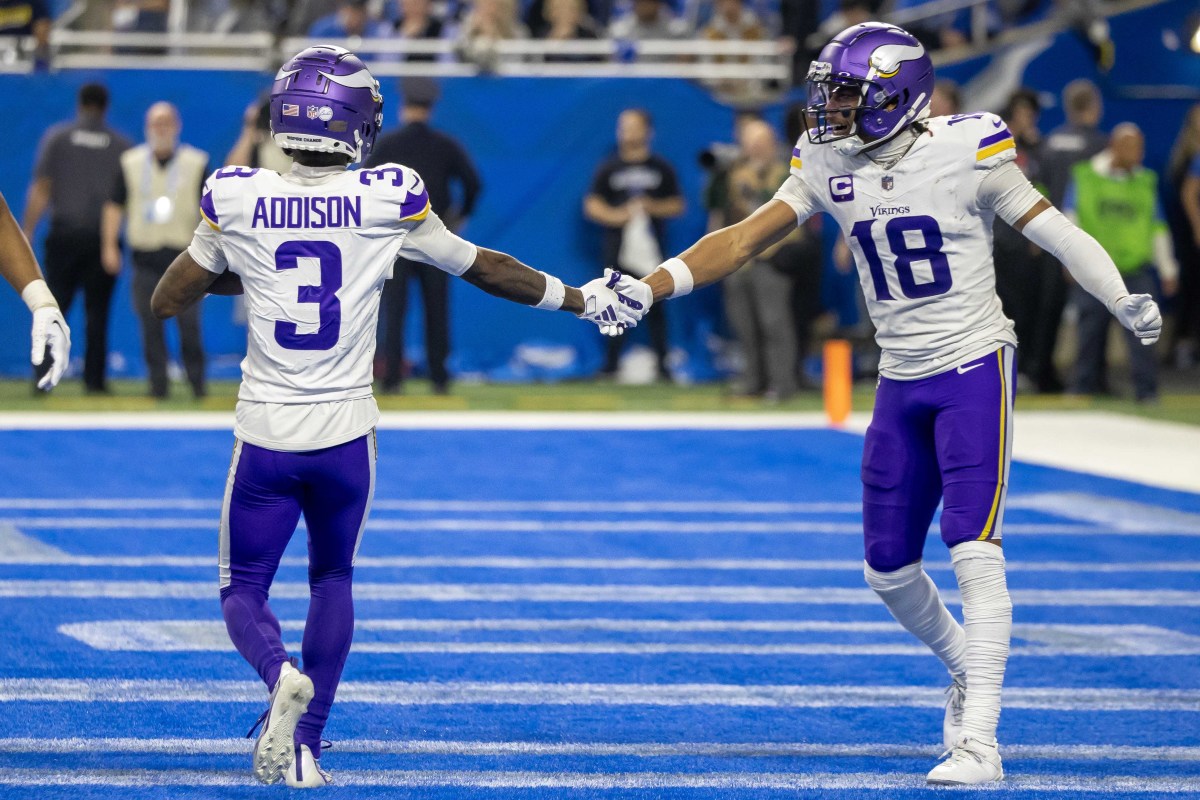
502, 275
20, 269
714, 257
499, 274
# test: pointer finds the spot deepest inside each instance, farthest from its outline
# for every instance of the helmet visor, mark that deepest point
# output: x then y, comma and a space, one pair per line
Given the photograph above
836, 103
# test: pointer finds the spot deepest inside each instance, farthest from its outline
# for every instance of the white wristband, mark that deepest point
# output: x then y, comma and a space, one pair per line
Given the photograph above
36, 294
552, 298
681, 276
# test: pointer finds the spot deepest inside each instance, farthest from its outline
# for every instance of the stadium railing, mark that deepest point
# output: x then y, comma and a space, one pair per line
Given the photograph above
694, 59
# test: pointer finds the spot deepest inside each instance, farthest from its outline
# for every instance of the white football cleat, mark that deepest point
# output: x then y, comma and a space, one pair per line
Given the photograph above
970, 762
952, 724
274, 749
305, 771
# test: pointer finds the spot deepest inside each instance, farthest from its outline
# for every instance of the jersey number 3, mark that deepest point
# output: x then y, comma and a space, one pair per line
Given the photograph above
324, 295
930, 249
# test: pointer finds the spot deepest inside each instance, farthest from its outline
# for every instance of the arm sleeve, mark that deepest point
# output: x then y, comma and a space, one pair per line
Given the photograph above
431, 242
796, 194
1009, 193
1088, 262
206, 249
1006, 190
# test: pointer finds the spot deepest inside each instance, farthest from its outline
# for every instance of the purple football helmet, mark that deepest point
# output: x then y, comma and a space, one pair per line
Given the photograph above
325, 99
872, 80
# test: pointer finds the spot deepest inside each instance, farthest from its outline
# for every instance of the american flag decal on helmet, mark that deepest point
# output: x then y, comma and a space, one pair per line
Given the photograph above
290, 110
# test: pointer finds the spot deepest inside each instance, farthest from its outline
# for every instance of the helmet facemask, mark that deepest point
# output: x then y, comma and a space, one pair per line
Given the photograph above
870, 82
837, 104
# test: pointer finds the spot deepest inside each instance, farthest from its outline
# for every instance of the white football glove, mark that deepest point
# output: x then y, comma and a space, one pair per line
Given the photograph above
49, 328
1139, 313
604, 307
636, 295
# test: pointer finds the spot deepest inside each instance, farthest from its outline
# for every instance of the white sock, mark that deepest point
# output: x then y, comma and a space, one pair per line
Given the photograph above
987, 619
912, 598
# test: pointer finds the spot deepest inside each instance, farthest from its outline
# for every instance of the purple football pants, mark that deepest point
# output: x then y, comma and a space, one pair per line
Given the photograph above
266, 493
945, 438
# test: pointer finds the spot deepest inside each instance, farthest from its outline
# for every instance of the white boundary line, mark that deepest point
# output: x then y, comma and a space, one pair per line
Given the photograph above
1128, 448
443, 420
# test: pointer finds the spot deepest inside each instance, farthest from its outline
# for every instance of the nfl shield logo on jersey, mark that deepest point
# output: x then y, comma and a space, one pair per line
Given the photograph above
888, 182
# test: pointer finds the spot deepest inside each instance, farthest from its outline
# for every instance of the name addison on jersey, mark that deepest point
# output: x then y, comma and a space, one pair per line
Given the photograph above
336, 211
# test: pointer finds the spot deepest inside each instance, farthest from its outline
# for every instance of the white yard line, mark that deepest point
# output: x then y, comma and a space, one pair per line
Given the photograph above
588, 593
604, 526
400, 693
600, 564
241, 746
452, 506
182, 635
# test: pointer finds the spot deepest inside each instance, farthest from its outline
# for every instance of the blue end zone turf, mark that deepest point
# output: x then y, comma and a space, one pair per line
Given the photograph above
583, 614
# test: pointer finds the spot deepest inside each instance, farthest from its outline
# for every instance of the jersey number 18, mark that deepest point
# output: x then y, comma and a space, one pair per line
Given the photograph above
906, 255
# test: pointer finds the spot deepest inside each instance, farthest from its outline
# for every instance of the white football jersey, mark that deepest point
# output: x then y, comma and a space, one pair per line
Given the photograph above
313, 248
921, 239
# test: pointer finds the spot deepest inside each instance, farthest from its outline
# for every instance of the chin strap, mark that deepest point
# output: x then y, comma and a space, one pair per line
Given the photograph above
889, 152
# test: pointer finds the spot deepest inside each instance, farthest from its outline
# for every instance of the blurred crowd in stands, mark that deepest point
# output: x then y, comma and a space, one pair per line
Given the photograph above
801, 26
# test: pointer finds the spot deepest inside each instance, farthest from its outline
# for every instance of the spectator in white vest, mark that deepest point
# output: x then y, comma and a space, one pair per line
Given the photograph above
157, 196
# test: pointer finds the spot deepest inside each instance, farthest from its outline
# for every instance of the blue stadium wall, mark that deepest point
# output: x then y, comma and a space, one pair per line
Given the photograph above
536, 143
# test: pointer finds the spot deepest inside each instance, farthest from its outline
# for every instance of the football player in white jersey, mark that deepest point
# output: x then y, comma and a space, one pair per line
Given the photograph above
915, 198
20, 268
311, 250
